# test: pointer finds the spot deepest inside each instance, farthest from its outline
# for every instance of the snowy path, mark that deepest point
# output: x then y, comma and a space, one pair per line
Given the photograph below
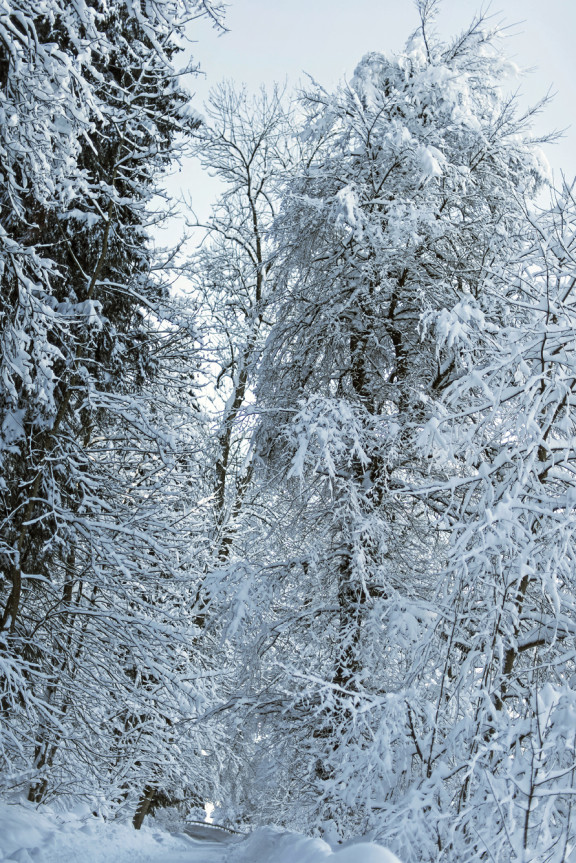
190, 851
212, 833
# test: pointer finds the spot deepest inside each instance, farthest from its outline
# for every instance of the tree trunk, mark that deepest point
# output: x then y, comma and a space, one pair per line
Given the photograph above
144, 805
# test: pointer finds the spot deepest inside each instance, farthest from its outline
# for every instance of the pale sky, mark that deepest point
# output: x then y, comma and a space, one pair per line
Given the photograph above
278, 40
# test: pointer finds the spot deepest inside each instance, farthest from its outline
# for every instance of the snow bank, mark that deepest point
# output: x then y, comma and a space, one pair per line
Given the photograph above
46, 836
29, 835
267, 845
22, 830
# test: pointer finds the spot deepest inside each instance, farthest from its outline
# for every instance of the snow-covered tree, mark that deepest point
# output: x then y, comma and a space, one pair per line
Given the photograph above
246, 145
388, 245
96, 665
500, 658
300, 542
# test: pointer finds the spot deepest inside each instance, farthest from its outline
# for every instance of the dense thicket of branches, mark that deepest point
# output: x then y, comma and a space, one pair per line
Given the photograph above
299, 538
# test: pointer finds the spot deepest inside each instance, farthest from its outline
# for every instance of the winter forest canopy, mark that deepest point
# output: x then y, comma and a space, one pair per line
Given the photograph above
287, 511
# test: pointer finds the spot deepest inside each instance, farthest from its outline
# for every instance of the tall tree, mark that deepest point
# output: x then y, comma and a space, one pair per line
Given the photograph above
413, 200
92, 594
247, 145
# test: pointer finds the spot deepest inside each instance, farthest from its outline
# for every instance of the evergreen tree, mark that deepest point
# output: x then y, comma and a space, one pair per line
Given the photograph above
93, 593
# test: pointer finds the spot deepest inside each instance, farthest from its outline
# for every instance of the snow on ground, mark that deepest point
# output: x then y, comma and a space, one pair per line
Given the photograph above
42, 835
45, 836
268, 845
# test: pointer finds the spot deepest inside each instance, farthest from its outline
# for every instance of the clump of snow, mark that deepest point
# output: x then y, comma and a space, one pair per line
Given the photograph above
431, 161
348, 211
90, 219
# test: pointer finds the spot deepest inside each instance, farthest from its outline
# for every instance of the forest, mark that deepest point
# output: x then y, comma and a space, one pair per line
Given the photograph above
287, 509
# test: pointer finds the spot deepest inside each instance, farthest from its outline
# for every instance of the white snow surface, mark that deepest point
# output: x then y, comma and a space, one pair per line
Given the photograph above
41, 835
268, 845
28, 835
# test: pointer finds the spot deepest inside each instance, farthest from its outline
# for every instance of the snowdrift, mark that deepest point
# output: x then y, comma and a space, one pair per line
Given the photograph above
31, 835
267, 845
28, 835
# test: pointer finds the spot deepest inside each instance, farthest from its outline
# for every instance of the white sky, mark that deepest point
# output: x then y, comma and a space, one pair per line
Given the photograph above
278, 40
